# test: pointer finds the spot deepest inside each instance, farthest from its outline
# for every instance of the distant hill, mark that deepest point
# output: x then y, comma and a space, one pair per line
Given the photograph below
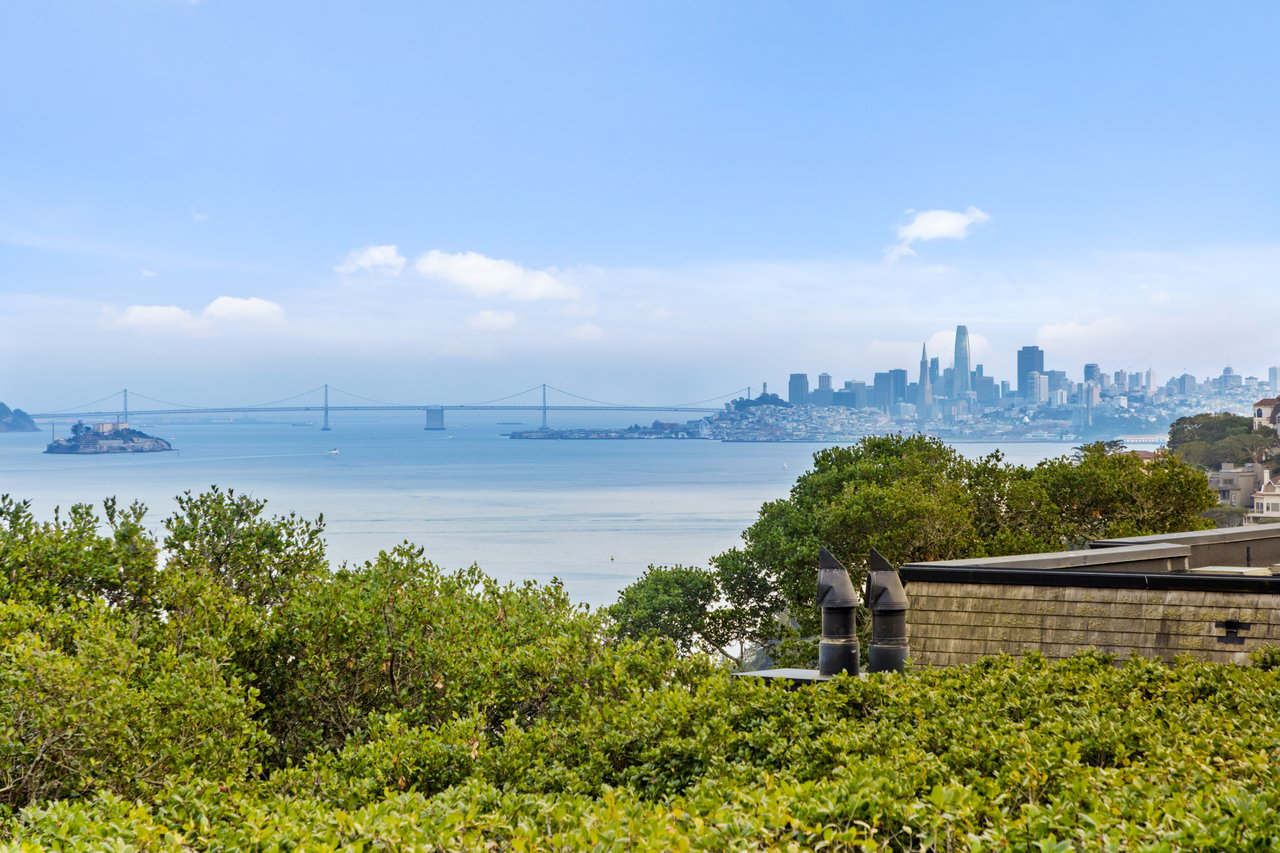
16, 420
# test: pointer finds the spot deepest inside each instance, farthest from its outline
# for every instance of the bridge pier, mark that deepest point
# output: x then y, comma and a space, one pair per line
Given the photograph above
435, 417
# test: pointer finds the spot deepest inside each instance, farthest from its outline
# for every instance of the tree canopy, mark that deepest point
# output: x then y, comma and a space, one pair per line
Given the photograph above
914, 498
1210, 439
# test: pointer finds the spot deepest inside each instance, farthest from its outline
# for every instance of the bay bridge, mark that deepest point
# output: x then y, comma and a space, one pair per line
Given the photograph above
117, 406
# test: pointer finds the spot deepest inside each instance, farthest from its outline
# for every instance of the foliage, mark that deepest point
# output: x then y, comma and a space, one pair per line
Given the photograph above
670, 601
400, 636
238, 695
1208, 440
1226, 516
1209, 427
914, 498
66, 560
226, 537
1111, 494
1004, 755
87, 709
742, 404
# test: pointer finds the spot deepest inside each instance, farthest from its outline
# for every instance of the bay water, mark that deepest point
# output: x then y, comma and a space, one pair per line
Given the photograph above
592, 513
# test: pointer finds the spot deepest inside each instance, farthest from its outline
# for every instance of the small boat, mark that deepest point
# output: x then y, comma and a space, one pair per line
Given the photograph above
333, 452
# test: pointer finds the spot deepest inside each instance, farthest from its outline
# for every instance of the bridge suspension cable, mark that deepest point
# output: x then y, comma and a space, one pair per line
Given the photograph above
286, 399
587, 399
624, 405
359, 397
166, 402
86, 405
509, 396
712, 399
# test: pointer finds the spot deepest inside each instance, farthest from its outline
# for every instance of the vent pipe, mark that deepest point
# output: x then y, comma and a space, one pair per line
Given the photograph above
888, 603
838, 649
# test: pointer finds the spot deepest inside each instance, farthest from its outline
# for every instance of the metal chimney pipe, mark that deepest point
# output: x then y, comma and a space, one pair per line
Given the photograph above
838, 649
887, 599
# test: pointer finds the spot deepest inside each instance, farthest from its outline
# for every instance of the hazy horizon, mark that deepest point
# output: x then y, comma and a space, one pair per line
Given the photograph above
426, 203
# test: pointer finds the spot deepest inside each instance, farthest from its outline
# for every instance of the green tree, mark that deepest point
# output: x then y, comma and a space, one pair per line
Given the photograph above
399, 635
1209, 427
914, 498
1106, 492
1208, 440
229, 538
674, 602
903, 495
68, 560
88, 709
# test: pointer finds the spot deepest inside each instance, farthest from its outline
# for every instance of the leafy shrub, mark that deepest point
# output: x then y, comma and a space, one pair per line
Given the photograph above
398, 706
86, 709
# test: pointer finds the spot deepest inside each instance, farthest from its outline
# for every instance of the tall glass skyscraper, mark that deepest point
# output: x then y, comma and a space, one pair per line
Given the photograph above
960, 382
798, 389
1031, 360
924, 388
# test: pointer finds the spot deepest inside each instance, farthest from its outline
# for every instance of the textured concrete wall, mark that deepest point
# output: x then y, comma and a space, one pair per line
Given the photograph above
956, 623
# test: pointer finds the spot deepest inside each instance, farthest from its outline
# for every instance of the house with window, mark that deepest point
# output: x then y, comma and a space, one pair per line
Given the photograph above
1236, 485
1266, 412
1266, 503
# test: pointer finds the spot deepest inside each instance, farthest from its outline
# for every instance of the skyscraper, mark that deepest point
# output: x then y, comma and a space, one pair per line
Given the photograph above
1030, 360
881, 396
924, 401
960, 384
897, 387
823, 395
798, 389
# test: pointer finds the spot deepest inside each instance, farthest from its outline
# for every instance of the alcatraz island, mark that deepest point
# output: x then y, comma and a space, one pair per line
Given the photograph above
107, 438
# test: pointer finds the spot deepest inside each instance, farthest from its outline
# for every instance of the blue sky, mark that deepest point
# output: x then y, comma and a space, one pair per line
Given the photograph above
224, 201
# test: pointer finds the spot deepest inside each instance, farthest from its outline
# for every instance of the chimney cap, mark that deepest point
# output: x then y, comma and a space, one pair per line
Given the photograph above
835, 588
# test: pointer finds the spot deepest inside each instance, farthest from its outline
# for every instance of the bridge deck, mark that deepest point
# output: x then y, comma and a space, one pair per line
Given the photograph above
231, 410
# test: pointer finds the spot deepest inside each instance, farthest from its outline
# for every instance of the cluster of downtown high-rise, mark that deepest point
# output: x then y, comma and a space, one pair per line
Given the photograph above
964, 389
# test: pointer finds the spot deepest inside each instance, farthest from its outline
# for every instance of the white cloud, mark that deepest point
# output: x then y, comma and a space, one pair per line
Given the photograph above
197, 216
223, 312
160, 318
382, 259
586, 332
492, 321
147, 273
233, 309
934, 225
493, 277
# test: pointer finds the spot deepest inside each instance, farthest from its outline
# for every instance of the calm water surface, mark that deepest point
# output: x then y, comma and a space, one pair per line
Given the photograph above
592, 513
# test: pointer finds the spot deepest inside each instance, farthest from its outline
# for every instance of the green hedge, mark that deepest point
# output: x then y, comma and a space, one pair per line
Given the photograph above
237, 698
